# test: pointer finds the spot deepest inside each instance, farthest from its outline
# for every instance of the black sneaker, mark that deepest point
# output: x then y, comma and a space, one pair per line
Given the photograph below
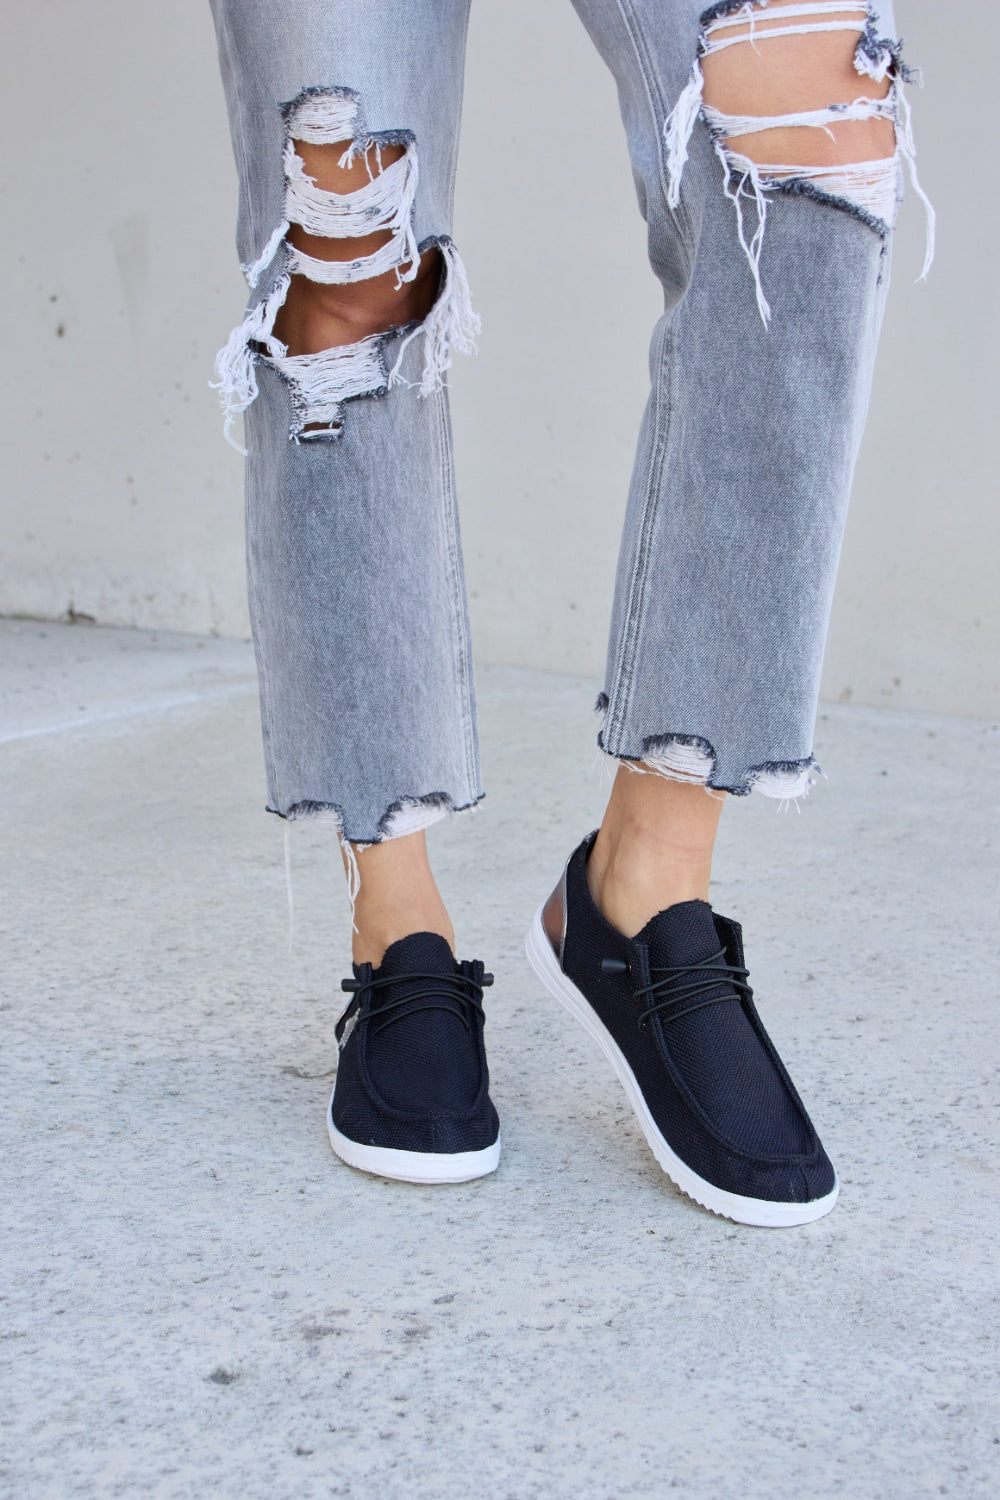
411, 1098
673, 1012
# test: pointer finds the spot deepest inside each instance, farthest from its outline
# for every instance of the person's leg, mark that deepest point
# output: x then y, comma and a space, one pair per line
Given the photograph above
396, 895
345, 117
345, 120
761, 371
654, 847
766, 141
756, 64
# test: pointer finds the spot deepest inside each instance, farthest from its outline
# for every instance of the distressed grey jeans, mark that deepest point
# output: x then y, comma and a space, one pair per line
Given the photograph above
773, 284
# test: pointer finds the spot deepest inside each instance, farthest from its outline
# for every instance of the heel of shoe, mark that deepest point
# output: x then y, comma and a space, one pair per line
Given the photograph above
541, 956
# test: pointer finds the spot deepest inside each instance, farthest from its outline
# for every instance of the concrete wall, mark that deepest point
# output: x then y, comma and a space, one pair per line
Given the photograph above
120, 500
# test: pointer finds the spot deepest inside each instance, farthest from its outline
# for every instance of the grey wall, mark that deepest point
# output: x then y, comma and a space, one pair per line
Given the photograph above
120, 499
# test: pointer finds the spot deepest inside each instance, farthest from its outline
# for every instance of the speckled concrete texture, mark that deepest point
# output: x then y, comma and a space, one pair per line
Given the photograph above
199, 1300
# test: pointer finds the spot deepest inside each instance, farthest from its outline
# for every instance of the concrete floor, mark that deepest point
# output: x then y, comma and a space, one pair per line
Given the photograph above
199, 1300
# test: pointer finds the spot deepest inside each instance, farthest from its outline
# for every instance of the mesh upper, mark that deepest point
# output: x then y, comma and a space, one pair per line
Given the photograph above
427, 1061
717, 1050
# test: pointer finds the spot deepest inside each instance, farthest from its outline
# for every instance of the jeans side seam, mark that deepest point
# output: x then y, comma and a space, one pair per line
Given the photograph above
455, 138
266, 715
622, 686
243, 165
658, 112
463, 658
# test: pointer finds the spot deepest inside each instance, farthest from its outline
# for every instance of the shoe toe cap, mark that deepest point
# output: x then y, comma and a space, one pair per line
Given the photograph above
473, 1133
797, 1180
818, 1176
363, 1121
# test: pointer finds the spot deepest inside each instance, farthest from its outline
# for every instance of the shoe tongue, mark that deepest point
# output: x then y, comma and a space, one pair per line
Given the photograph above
418, 953
716, 1048
682, 934
419, 1059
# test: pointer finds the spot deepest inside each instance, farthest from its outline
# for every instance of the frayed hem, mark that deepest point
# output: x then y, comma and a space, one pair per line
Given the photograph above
407, 815
692, 759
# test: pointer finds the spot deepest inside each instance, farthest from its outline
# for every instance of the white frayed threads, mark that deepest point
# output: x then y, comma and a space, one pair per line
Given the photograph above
324, 118
872, 187
414, 816
762, 23
873, 67
822, 119
345, 272
288, 885
681, 120
693, 765
321, 382
908, 151
450, 324
745, 171
327, 817
254, 272
680, 762
786, 784
350, 852
234, 363
384, 202
677, 132
675, 760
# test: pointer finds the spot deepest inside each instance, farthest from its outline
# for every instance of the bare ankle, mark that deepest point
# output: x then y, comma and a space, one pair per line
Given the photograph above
376, 932
653, 850
628, 890
396, 896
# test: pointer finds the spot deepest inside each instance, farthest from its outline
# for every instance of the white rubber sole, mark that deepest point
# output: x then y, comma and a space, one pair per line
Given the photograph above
428, 1167
761, 1212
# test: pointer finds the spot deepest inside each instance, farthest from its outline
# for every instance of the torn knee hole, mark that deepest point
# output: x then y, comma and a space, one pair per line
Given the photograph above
350, 205
779, 94
344, 166
349, 288
349, 193
330, 203
315, 316
799, 97
331, 428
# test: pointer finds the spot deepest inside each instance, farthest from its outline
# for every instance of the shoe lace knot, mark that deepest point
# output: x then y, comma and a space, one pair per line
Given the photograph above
460, 994
677, 991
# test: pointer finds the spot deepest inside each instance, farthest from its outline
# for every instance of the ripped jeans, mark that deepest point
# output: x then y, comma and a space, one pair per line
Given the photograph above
773, 275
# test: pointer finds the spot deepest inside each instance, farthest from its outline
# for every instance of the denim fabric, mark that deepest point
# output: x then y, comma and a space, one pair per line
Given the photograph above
744, 460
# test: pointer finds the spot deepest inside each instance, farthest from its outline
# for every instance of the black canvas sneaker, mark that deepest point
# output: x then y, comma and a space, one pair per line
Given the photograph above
673, 1012
411, 1099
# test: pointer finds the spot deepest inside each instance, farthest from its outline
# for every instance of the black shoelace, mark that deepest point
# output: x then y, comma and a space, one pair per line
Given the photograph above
459, 994
705, 975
